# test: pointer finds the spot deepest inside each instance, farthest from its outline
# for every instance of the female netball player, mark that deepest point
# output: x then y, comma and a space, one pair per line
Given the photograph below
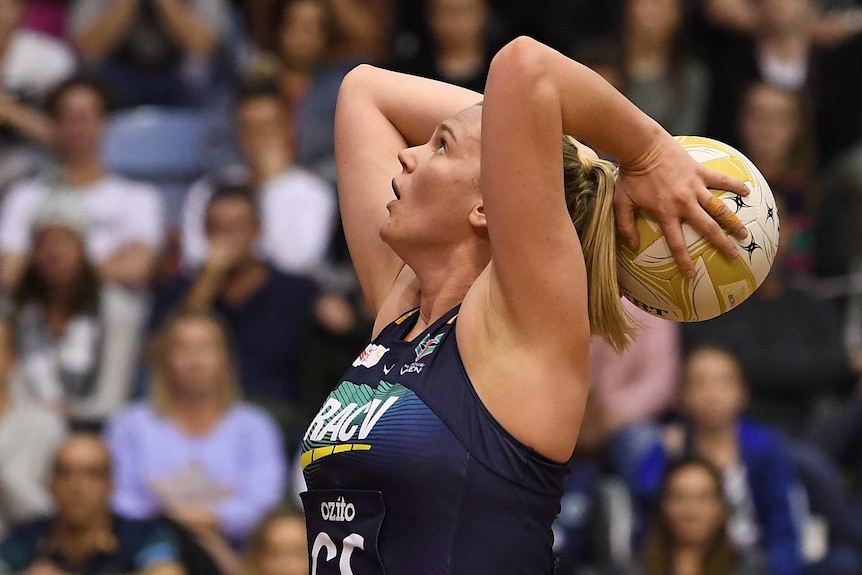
484, 241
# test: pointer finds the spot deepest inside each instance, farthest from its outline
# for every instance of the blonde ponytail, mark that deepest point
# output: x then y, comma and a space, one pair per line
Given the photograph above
589, 188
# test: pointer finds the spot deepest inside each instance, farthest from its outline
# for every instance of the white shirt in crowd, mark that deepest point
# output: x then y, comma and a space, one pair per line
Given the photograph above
29, 437
297, 210
34, 64
122, 212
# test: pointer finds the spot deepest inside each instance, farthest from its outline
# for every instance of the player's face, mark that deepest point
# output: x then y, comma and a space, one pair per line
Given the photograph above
284, 550
58, 256
692, 506
79, 123
196, 357
438, 186
713, 394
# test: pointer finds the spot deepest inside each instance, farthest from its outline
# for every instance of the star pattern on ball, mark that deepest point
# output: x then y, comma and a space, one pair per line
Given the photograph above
740, 203
770, 213
750, 248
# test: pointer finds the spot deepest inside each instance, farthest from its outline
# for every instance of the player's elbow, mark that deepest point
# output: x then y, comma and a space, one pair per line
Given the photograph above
356, 81
522, 64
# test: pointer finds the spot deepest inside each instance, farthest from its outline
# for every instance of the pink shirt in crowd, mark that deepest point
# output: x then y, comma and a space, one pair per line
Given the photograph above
641, 383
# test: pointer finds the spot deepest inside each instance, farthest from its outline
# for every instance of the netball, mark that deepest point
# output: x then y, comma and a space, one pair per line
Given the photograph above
650, 278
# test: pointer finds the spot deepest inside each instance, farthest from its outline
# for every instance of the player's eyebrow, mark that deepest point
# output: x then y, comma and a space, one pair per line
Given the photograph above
444, 127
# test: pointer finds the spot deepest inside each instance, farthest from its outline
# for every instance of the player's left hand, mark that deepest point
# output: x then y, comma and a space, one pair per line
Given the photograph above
668, 183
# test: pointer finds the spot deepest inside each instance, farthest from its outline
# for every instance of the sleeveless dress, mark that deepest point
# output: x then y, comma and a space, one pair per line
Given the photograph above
409, 474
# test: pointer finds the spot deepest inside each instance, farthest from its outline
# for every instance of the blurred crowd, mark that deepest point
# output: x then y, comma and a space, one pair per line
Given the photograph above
176, 296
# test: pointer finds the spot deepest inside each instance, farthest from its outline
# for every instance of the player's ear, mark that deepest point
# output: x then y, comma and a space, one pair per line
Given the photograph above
477, 216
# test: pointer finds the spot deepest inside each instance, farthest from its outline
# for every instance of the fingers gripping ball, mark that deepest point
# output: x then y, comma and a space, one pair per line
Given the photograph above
650, 278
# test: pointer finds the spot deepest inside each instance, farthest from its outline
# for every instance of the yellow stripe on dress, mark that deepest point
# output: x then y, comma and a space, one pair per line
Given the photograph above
321, 452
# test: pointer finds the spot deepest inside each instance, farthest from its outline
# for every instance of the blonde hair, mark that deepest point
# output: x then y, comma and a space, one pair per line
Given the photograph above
589, 187
160, 394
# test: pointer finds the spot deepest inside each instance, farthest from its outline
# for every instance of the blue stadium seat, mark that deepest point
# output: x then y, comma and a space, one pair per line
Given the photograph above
158, 144
168, 147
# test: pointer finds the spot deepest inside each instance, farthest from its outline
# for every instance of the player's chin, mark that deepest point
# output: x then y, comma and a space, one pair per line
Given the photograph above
386, 232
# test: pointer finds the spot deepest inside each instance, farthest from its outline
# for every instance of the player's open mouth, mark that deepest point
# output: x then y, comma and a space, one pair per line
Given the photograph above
395, 190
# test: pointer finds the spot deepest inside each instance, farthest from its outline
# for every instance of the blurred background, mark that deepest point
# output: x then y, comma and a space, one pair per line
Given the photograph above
176, 296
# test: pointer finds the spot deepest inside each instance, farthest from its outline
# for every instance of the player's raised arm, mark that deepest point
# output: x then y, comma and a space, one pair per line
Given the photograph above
379, 113
534, 95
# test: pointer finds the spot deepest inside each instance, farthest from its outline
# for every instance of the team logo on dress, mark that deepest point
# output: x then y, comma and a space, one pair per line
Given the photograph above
370, 355
425, 348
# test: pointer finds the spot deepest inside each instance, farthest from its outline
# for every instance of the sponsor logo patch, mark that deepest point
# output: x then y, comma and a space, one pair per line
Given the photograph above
370, 356
338, 510
425, 348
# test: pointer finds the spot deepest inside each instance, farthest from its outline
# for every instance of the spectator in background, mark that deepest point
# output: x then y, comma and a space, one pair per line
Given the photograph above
363, 29
838, 241
194, 451
461, 41
689, 531
309, 76
31, 64
29, 436
841, 434
85, 536
267, 311
788, 343
127, 217
633, 389
297, 208
257, 17
836, 21
776, 135
753, 461
163, 52
278, 545
781, 50
77, 337
663, 77
603, 56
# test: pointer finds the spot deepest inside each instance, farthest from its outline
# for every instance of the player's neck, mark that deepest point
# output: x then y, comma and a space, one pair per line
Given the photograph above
444, 279
440, 291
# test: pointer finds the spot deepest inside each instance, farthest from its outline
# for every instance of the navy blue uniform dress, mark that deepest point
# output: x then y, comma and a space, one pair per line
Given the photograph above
409, 474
